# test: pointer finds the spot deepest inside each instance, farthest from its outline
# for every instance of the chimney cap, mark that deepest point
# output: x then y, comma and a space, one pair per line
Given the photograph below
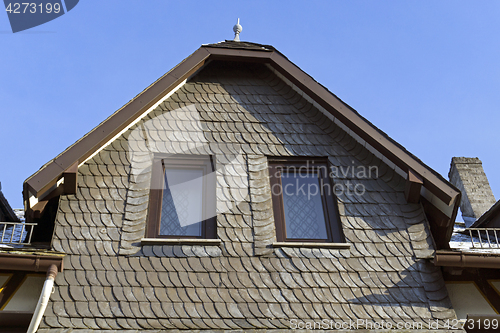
466, 160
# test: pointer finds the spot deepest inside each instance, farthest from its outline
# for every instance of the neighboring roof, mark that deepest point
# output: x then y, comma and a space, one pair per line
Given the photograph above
6, 209
491, 214
228, 44
393, 152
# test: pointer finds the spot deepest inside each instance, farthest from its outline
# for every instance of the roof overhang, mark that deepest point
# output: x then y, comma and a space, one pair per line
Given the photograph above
434, 188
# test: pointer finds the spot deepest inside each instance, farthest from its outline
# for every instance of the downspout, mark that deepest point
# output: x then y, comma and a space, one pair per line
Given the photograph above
44, 299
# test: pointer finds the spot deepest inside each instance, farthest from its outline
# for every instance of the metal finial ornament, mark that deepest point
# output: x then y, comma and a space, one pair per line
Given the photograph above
237, 30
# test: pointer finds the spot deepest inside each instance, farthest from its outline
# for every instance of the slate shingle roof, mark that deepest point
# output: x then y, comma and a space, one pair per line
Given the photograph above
239, 114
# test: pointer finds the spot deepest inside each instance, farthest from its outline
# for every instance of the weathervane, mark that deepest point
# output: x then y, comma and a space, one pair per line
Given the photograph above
237, 30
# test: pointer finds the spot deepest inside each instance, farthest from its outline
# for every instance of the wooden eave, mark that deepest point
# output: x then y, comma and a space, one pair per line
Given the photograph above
49, 174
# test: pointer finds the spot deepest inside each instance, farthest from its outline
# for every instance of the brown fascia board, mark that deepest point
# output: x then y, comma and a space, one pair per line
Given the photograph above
466, 259
30, 262
48, 175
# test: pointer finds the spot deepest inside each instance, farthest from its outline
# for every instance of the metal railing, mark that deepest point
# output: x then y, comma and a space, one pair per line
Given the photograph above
16, 233
486, 238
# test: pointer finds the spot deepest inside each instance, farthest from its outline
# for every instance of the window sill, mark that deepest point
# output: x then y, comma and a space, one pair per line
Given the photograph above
339, 246
179, 241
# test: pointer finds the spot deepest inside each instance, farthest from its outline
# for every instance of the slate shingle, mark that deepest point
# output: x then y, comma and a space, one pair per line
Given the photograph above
248, 112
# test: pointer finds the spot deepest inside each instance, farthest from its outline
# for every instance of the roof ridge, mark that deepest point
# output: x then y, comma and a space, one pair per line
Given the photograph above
230, 44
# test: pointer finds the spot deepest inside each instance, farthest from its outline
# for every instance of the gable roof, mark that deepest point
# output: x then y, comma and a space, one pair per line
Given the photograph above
436, 190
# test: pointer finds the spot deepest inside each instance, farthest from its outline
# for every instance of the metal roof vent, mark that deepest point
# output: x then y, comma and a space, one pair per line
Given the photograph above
237, 30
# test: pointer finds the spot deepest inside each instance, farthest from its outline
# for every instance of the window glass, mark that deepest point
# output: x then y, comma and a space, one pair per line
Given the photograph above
182, 200
303, 206
182, 206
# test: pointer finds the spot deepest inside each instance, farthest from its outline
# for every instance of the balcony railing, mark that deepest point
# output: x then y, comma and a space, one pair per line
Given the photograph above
484, 238
16, 233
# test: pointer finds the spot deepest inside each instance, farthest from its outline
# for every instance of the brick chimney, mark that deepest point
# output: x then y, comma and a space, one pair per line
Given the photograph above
468, 175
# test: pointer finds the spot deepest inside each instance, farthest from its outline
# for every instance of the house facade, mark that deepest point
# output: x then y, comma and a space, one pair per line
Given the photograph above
238, 193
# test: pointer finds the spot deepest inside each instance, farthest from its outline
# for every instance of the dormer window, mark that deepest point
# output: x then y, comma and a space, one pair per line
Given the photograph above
304, 205
182, 198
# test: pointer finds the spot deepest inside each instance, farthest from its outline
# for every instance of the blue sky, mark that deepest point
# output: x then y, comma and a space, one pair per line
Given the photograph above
425, 72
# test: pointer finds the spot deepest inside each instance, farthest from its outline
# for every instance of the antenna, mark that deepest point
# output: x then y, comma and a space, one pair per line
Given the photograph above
237, 30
